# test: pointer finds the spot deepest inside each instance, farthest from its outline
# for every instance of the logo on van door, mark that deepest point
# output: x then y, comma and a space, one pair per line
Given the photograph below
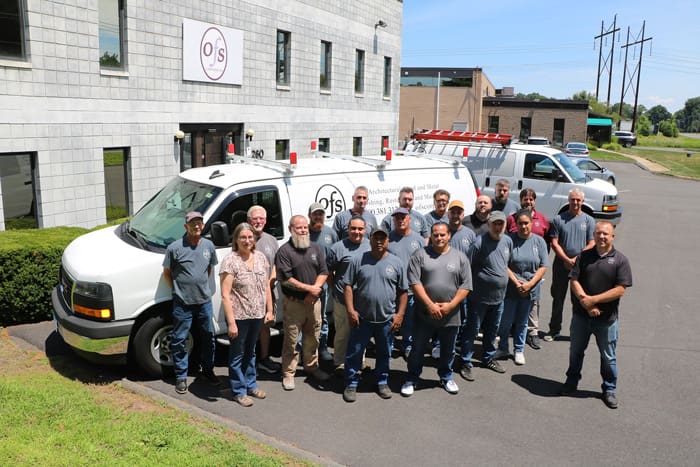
332, 200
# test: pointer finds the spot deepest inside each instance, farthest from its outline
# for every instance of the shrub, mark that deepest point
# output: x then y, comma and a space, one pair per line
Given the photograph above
612, 146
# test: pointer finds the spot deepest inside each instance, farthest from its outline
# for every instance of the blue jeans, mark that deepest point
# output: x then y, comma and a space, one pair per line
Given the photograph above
241, 357
323, 337
407, 324
359, 337
515, 313
447, 337
183, 315
606, 337
490, 316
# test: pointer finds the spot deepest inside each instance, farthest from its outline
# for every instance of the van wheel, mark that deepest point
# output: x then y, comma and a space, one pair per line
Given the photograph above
152, 346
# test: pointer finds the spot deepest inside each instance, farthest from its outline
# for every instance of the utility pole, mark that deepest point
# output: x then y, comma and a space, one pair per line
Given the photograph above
608, 57
636, 71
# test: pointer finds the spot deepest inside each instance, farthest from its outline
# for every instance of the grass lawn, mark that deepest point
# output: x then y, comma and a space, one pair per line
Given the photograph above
661, 141
57, 418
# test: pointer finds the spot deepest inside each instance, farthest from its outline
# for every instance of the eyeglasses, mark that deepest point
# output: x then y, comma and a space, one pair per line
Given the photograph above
258, 218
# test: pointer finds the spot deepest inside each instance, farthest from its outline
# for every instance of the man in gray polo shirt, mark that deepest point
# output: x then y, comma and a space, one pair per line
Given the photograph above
440, 278
187, 266
375, 297
360, 198
418, 225
571, 233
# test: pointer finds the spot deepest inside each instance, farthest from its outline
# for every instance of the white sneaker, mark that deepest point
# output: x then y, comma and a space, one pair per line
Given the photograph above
435, 353
519, 358
451, 387
407, 389
500, 354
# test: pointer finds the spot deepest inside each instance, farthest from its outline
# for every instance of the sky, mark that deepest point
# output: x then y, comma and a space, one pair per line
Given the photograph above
549, 47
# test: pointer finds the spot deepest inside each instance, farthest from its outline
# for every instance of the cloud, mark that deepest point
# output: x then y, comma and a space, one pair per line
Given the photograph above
661, 100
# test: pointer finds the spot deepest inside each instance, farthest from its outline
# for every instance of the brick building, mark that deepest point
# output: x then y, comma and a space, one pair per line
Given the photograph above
102, 102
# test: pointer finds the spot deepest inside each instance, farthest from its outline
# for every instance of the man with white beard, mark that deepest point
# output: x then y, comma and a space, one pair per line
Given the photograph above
302, 271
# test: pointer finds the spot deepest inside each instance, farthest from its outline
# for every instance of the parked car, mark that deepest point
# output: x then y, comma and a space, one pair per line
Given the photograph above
538, 140
576, 149
593, 169
626, 138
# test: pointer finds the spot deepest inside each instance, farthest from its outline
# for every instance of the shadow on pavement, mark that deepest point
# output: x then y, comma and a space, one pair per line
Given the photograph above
546, 387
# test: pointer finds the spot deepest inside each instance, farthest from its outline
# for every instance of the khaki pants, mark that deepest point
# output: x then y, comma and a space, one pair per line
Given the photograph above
342, 333
298, 316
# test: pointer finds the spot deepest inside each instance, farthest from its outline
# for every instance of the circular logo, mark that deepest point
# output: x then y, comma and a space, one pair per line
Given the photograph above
213, 54
332, 200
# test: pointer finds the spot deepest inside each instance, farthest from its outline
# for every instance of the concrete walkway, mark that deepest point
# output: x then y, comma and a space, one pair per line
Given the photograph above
641, 162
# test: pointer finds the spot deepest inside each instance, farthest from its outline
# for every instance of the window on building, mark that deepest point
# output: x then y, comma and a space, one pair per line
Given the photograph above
493, 124
387, 77
357, 146
283, 57
324, 144
525, 128
359, 71
326, 62
116, 182
12, 29
385, 144
281, 149
17, 182
112, 33
558, 133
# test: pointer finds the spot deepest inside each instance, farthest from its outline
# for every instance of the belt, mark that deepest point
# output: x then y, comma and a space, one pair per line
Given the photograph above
292, 298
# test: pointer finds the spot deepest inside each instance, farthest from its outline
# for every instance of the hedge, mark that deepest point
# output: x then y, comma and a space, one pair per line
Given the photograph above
29, 264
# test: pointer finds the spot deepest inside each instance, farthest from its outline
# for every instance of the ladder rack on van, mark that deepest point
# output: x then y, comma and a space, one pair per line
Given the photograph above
455, 161
282, 167
378, 164
465, 136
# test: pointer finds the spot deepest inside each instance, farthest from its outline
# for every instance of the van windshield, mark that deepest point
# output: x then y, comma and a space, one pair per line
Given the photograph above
575, 173
161, 220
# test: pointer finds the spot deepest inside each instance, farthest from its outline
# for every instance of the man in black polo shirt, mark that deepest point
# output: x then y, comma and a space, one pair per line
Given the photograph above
598, 280
302, 271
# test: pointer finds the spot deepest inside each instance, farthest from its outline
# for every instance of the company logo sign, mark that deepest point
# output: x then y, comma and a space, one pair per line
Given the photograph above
332, 200
211, 53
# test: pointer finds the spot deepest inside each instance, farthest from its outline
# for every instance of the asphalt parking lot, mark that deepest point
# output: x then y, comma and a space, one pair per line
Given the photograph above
515, 418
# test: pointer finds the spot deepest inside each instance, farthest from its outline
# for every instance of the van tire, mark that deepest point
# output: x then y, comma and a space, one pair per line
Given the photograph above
151, 349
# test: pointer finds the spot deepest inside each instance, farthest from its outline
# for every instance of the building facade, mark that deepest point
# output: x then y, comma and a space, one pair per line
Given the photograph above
558, 120
447, 98
102, 102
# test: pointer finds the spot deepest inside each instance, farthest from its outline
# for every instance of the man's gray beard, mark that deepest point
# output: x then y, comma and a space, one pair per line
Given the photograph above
301, 242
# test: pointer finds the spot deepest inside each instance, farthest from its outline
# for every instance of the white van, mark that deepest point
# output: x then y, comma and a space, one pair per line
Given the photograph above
546, 170
112, 303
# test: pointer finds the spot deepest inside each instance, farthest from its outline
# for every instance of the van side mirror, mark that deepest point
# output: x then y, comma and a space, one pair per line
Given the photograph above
219, 233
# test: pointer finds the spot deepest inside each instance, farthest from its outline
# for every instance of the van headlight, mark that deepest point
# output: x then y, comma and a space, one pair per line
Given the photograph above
93, 300
609, 203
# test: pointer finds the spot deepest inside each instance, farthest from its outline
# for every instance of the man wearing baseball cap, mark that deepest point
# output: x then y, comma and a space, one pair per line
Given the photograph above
187, 266
325, 237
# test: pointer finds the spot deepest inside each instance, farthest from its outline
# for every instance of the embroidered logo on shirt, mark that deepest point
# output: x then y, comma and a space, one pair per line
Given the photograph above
451, 267
390, 271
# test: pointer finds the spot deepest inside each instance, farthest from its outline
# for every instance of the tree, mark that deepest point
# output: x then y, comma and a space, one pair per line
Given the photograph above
657, 114
668, 128
531, 96
643, 125
110, 60
595, 106
688, 118
626, 113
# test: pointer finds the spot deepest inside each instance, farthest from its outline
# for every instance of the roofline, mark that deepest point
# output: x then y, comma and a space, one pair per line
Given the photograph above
537, 103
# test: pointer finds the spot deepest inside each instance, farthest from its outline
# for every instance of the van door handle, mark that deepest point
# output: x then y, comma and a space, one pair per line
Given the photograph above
520, 184
487, 182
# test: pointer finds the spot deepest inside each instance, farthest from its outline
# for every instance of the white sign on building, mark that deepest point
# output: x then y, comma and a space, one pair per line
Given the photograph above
211, 53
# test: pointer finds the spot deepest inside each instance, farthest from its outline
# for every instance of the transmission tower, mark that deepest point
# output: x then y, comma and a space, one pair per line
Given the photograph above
606, 63
636, 71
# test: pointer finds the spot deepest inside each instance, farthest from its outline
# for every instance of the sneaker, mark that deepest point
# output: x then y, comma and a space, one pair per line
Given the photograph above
435, 353
384, 391
325, 355
466, 372
181, 386
450, 386
288, 383
501, 355
610, 400
211, 378
257, 393
269, 366
534, 342
407, 389
493, 365
244, 400
519, 358
350, 394
551, 336
567, 390
320, 375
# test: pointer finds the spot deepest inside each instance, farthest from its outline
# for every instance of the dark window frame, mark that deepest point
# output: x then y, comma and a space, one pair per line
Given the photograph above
359, 71
326, 66
122, 61
283, 58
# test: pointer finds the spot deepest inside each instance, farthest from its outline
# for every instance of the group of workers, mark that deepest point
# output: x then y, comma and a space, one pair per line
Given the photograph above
413, 283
